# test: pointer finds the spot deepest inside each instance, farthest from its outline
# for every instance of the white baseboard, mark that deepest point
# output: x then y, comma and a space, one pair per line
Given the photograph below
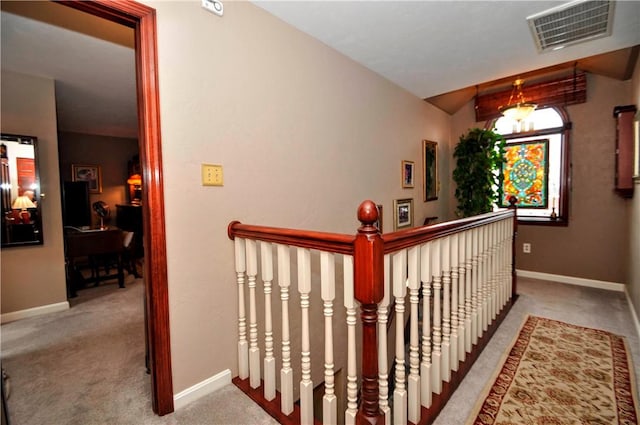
634, 315
32, 312
591, 283
201, 389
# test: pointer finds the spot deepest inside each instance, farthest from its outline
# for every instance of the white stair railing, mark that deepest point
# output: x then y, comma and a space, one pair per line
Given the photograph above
449, 291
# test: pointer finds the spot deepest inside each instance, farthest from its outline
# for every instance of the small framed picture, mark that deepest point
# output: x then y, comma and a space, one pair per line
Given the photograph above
88, 173
408, 173
430, 170
378, 222
636, 146
402, 213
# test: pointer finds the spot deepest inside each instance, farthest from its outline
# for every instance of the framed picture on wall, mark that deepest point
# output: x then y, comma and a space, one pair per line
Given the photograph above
88, 173
378, 222
430, 170
408, 173
402, 213
636, 146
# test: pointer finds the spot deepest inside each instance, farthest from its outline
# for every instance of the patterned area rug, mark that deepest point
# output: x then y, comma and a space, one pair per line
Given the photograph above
557, 373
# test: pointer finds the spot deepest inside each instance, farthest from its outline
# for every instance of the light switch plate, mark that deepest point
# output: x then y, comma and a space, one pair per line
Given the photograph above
214, 6
212, 175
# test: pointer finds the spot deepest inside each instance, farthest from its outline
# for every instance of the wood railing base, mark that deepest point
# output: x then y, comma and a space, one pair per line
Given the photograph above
440, 400
428, 415
271, 407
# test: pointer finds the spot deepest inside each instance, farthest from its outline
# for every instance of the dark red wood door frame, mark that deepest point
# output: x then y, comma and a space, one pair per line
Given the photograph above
143, 19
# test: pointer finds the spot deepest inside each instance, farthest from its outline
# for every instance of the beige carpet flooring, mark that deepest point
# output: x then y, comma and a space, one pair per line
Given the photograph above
86, 365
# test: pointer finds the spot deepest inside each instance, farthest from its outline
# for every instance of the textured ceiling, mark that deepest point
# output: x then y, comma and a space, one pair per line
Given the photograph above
435, 49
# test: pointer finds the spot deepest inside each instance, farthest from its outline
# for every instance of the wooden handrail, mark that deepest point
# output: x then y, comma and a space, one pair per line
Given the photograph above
418, 235
343, 244
368, 248
323, 241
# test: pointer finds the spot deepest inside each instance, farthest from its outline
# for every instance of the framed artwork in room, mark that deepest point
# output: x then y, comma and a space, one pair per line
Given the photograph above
402, 213
89, 173
408, 174
378, 222
636, 146
430, 170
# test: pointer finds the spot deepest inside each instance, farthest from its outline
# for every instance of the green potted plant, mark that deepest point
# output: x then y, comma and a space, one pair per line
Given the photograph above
479, 156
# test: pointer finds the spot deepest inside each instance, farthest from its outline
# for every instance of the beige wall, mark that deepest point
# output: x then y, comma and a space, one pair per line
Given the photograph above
34, 276
595, 245
634, 213
304, 135
111, 154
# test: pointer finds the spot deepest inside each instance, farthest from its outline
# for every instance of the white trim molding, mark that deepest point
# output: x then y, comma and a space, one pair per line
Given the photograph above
201, 389
591, 283
634, 314
33, 312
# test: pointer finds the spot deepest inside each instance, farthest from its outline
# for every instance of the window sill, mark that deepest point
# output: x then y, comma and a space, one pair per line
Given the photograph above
543, 221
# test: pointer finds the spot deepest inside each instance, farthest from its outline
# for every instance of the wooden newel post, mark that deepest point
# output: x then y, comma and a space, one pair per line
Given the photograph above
514, 277
369, 291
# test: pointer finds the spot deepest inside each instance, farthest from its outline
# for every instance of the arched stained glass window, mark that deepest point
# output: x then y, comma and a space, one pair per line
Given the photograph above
536, 170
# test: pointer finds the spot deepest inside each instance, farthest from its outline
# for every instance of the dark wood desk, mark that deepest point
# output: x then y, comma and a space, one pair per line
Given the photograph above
91, 244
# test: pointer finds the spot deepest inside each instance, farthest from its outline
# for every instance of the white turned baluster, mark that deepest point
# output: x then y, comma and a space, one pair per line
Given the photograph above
306, 385
269, 363
436, 358
488, 283
352, 377
506, 253
462, 329
508, 232
328, 292
498, 266
468, 292
399, 292
243, 345
501, 266
480, 292
494, 272
383, 365
507, 258
485, 277
254, 351
510, 257
414, 347
474, 288
445, 256
454, 301
286, 373
425, 365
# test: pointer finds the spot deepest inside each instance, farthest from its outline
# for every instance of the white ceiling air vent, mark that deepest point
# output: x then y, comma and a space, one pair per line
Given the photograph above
571, 23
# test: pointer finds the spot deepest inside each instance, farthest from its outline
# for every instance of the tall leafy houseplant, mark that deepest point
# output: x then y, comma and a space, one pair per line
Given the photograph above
479, 156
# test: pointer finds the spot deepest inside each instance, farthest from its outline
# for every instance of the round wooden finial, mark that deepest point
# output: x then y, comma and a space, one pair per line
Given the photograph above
513, 200
367, 213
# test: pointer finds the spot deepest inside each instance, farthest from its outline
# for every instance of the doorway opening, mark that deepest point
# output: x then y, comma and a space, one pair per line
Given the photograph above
141, 19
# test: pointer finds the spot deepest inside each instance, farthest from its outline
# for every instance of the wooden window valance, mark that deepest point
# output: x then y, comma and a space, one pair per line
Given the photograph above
569, 90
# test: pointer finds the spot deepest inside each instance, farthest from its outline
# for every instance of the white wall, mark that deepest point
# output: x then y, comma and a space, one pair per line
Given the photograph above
304, 135
634, 214
34, 276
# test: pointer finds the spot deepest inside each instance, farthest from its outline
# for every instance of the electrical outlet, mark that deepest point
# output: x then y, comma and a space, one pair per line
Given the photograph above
526, 248
212, 175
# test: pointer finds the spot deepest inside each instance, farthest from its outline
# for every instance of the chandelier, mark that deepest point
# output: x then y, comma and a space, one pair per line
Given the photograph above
520, 110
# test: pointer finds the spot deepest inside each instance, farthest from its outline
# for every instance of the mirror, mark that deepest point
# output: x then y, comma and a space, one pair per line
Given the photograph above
20, 190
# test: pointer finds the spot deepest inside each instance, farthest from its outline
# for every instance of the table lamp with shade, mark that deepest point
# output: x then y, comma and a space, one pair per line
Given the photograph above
23, 203
135, 189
